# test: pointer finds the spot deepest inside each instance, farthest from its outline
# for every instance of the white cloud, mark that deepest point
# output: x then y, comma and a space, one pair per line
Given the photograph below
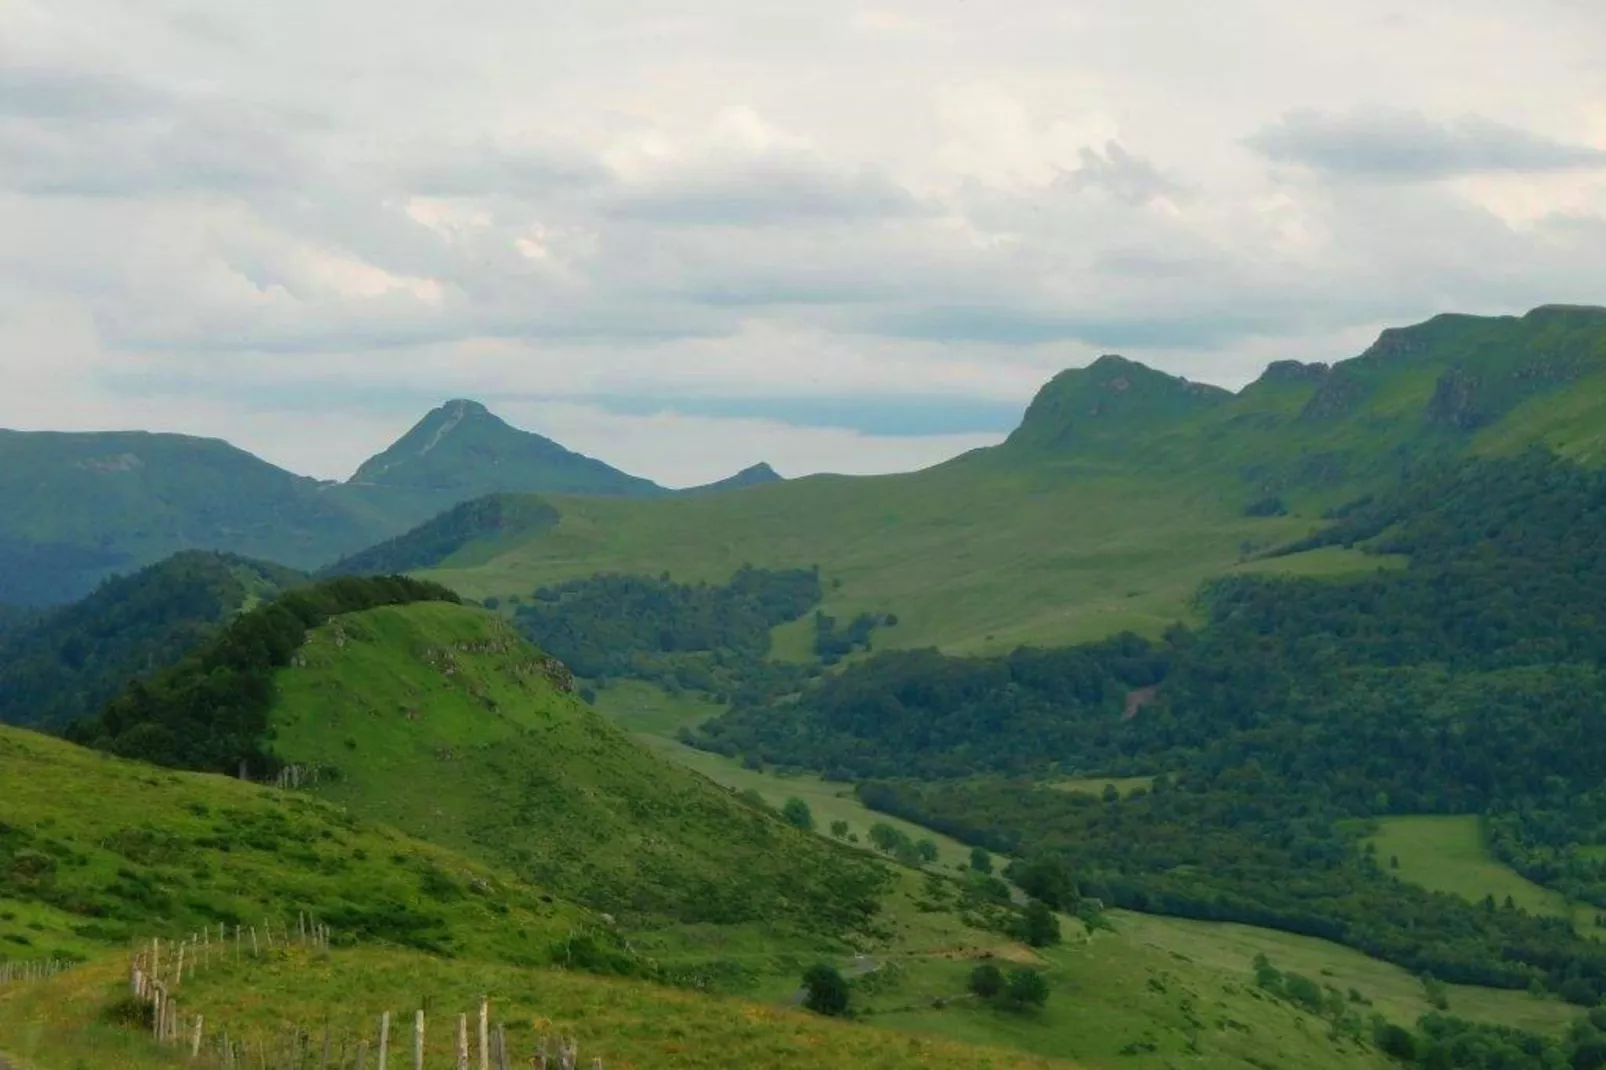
357, 207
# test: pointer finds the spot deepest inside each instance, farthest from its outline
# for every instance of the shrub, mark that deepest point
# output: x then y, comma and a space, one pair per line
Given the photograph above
986, 980
825, 991
1026, 988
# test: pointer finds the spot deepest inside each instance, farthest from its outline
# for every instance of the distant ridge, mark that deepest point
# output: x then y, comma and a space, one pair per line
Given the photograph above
76, 508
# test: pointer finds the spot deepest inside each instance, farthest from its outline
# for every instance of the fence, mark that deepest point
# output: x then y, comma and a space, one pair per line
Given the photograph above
31, 970
157, 974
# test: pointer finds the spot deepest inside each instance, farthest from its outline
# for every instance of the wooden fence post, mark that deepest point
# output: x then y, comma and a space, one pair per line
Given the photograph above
384, 1039
485, 1033
195, 1044
462, 1042
418, 1041
501, 1047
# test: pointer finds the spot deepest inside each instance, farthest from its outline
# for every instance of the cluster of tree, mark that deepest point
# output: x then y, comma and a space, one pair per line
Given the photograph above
210, 711
1445, 1042
920, 713
1552, 839
1252, 854
70, 661
893, 841
1019, 990
1470, 681
637, 626
832, 644
429, 544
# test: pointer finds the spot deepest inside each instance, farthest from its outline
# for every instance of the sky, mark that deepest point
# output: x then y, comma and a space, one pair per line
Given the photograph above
836, 236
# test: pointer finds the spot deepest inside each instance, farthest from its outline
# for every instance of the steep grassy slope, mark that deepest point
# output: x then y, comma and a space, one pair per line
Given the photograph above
71, 660
1123, 489
96, 851
440, 720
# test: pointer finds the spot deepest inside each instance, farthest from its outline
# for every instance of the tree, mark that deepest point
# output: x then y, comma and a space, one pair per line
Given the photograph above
825, 991
980, 860
986, 980
797, 812
927, 850
1395, 1041
839, 829
1026, 988
1046, 878
1038, 925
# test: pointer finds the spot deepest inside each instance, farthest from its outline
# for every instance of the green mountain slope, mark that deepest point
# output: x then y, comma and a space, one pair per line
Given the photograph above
461, 451
483, 521
440, 720
76, 507
96, 851
1122, 491
69, 661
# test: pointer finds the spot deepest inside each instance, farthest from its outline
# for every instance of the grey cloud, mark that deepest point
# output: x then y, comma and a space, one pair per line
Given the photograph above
41, 93
769, 194
487, 169
1407, 146
1118, 173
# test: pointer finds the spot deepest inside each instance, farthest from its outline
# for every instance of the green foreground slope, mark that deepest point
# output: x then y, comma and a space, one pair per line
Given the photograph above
440, 720
97, 851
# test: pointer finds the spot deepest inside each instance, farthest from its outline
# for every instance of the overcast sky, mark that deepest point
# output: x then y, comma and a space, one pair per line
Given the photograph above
833, 235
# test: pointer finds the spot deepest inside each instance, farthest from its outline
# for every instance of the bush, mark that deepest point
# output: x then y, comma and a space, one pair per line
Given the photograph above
1394, 1041
797, 813
1026, 988
987, 980
825, 991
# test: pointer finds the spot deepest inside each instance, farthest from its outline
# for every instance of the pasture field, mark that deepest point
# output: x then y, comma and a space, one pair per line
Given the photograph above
1447, 854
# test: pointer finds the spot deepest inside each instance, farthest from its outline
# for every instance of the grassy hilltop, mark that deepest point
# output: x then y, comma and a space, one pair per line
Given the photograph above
440, 720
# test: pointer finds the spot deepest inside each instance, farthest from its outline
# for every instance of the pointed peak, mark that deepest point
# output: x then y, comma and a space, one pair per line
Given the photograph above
751, 476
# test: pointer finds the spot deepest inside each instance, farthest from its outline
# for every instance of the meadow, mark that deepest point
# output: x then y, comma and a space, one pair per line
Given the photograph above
1448, 854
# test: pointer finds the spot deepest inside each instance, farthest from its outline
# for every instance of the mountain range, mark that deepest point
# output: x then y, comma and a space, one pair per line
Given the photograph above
1237, 728
78, 507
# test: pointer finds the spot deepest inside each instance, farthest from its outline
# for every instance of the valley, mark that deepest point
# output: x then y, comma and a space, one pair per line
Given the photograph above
1251, 729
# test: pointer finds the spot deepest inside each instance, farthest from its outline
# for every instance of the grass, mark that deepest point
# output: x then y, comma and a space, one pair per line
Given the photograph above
1098, 785
1186, 988
654, 716
974, 556
95, 851
629, 1025
528, 778
1448, 854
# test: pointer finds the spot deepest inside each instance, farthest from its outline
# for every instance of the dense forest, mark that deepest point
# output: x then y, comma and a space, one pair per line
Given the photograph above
711, 637
210, 711
1468, 682
66, 662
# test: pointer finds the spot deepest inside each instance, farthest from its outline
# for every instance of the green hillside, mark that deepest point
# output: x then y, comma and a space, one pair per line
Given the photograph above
67, 662
484, 522
461, 451
74, 508
524, 775
1123, 490
96, 852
